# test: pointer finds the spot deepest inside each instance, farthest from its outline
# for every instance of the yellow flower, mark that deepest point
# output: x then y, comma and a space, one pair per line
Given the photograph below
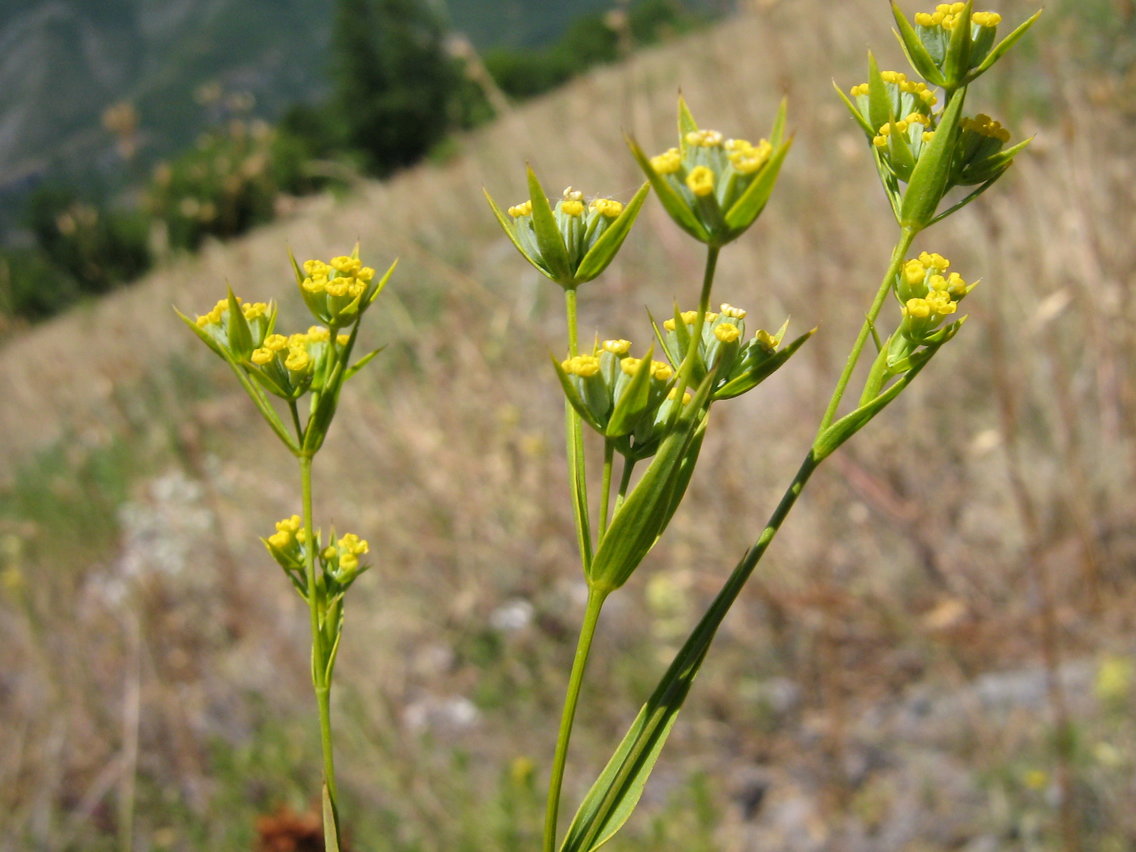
700, 181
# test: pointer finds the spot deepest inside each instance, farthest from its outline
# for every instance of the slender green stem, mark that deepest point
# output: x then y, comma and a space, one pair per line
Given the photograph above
624, 482
574, 433
595, 603
907, 235
605, 486
321, 681
296, 422
688, 359
876, 377
570, 310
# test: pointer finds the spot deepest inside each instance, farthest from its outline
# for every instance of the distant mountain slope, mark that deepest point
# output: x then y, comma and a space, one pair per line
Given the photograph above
63, 62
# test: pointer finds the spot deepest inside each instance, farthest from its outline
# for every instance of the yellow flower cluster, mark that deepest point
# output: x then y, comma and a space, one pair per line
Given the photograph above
668, 162
581, 365
946, 16
936, 302
298, 347
928, 293
910, 87
572, 204
288, 531
745, 157
902, 126
251, 310
703, 138
606, 207
343, 277
727, 332
616, 347
700, 181
348, 550
660, 370
732, 312
984, 125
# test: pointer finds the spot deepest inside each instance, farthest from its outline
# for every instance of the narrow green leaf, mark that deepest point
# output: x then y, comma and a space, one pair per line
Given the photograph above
240, 336
914, 50
572, 394
880, 105
507, 227
749, 380
362, 362
642, 517
315, 432
682, 334
929, 178
548, 236
844, 428
685, 471
605, 248
205, 336
754, 199
854, 110
598, 820
686, 123
330, 833
957, 60
777, 132
378, 288
629, 407
1005, 44
672, 202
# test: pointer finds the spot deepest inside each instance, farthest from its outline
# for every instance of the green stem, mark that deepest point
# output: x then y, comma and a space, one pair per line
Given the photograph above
574, 432
605, 487
321, 681
688, 359
907, 235
624, 483
570, 310
877, 375
592, 609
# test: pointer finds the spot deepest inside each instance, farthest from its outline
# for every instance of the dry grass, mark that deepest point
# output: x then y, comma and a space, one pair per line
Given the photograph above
155, 691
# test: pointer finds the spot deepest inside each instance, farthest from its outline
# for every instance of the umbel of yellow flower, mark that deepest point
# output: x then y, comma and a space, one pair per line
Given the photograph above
338, 563
714, 187
739, 364
337, 292
572, 240
952, 45
928, 294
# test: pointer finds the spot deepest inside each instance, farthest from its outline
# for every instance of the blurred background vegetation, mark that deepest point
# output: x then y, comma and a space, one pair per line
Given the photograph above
128, 133
938, 654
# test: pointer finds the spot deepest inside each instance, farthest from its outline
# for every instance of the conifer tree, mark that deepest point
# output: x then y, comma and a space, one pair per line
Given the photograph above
395, 83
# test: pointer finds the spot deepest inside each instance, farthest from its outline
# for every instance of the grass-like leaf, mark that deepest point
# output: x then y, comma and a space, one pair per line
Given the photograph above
548, 235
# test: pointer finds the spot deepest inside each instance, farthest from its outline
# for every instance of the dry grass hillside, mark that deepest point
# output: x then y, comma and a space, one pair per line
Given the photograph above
938, 651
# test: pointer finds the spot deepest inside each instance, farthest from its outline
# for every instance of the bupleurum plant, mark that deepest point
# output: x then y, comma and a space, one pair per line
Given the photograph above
305, 367
932, 159
648, 405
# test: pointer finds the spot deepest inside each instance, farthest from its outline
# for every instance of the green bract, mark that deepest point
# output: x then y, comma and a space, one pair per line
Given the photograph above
714, 187
574, 241
954, 45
